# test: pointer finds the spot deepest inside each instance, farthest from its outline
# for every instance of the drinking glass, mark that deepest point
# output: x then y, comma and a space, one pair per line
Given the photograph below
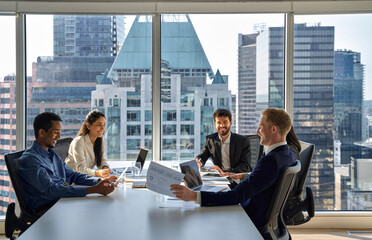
136, 166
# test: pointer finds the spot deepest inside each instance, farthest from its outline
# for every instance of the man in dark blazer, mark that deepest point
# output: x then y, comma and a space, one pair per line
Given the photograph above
255, 192
230, 152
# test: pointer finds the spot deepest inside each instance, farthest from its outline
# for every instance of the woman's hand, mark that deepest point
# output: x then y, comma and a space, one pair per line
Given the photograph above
103, 172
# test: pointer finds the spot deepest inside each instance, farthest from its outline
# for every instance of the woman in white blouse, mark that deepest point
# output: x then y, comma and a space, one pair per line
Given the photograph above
87, 149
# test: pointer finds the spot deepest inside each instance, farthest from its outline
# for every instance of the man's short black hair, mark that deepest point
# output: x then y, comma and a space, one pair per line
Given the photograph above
222, 113
44, 121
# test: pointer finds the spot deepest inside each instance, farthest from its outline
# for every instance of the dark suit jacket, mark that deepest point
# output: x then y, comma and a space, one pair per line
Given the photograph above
240, 152
255, 192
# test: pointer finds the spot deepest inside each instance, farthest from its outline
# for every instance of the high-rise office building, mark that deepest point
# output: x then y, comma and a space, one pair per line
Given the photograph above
348, 101
247, 120
87, 35
7, 136
313, 95
63, 85
84, 47
187, 100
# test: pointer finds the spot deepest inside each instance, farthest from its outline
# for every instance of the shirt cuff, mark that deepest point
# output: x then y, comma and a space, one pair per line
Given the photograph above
198, 198
81, 191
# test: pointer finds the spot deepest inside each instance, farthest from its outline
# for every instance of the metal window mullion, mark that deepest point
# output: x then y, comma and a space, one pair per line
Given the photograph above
156, 76
21, 76
288, 63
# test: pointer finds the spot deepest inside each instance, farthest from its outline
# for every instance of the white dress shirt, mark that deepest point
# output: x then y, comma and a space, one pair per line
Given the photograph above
272, 147
81, 156
225, 152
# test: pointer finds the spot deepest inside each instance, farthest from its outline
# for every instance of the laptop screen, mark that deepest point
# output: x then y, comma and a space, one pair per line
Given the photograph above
142, 156
192, 176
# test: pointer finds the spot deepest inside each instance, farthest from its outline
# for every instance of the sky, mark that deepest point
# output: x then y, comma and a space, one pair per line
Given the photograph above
218, 34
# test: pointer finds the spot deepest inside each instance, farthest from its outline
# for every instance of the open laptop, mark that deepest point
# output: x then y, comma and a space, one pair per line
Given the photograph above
142, 154
193, 178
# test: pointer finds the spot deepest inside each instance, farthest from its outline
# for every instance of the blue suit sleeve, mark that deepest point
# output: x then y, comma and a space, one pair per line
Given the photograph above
78, 178
262, 177
42, 186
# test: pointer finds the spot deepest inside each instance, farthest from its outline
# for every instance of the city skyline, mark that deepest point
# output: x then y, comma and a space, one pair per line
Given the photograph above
187, 99
347, 27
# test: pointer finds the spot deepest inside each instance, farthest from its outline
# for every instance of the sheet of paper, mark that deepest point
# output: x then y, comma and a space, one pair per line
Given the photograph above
159, 178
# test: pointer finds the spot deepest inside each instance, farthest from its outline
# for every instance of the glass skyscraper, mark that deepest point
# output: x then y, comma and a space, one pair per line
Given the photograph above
313, 94
187, 100
84, 47
87, 35
348, 97
247, 119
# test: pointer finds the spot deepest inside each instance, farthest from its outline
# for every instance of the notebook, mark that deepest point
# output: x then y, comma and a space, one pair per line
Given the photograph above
142, 154
193, 178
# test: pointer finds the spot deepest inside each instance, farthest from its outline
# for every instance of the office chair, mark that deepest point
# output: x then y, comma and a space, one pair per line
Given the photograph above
275, 228
61, 147
256, 148
256, 153
296, 205
27, 216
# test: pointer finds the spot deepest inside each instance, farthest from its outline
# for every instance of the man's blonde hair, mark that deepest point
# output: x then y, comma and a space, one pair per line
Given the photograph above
279, 118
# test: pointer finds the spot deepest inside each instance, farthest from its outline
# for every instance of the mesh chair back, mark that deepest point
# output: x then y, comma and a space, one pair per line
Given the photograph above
306, 157
11, 160
61, 147
256, 148
275, 227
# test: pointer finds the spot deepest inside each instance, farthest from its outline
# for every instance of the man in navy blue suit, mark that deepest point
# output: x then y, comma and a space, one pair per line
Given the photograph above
255, 192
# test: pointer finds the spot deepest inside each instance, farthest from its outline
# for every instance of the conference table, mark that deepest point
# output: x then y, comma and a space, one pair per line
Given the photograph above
140, 214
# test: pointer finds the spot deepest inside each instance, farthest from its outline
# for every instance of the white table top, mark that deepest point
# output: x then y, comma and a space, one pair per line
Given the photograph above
135, 214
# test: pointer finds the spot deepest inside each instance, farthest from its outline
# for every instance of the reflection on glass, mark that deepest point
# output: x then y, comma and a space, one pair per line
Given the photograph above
7, 106
329, 86
87, 68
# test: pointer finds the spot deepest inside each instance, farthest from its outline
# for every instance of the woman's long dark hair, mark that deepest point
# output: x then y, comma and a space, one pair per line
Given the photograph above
293, 140
93, 116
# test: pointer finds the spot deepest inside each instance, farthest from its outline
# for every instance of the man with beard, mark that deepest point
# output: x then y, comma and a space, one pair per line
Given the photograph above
45, 177
230, 152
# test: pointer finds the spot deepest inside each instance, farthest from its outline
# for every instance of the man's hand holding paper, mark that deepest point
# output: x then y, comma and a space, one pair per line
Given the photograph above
159, 178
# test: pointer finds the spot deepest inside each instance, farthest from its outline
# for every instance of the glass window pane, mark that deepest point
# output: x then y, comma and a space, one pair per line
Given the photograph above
199, 73
332, 105
77, 63
7, 106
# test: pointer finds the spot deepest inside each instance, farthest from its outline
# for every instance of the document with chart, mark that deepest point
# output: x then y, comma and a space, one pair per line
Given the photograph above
159, 178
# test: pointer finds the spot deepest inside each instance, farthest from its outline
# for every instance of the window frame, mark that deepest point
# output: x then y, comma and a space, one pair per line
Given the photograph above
322, 219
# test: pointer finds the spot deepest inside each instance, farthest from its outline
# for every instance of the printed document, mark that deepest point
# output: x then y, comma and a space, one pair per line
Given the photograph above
159, 178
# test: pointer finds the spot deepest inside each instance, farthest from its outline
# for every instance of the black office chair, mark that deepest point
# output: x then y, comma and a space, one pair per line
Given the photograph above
256, 153
296, 205
256, 148
27, 216
275, 228
61, 147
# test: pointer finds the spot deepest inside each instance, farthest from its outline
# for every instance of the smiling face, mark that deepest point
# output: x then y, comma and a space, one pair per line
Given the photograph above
48, 139
222, 125
97, 128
